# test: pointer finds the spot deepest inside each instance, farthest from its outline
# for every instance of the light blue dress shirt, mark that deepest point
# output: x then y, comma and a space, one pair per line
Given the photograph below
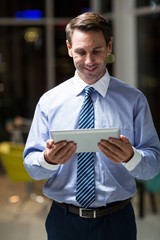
116, 104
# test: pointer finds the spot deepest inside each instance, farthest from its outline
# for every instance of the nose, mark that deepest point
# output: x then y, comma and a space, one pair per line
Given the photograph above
89, 58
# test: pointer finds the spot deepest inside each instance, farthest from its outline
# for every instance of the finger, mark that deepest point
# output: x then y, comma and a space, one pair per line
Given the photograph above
124, 149
116, 142
113, 152
110, 146
49, 143
68, 155
58, 146
121, 143
52, 149
63, 151
109, 152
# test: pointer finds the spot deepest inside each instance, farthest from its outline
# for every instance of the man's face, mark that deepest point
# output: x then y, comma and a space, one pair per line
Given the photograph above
89, 52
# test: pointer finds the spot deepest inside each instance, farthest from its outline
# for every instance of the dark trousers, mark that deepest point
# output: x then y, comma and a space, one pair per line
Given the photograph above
63, 225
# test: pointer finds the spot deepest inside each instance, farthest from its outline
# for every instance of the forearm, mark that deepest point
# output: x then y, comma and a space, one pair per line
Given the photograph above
37, 168
144, 165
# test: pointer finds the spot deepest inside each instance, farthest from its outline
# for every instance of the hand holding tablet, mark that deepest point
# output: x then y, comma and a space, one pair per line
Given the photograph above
86, 139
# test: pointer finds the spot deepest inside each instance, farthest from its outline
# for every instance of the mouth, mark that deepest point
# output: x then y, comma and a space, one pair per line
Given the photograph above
90, 69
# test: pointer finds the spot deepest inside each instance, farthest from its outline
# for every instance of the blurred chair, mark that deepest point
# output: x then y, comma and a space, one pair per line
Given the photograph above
11, 156
151, 187
12, 161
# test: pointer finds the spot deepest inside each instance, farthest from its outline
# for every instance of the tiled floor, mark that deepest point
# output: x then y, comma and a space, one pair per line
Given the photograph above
24, 219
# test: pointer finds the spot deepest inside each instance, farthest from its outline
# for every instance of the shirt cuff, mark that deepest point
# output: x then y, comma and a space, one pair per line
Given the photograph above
134, 161
45, 164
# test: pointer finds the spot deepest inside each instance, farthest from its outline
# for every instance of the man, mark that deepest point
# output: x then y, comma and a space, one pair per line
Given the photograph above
136, 154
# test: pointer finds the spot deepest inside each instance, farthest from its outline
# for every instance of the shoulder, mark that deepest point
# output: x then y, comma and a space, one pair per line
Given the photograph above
55, 96
58, 91
127, 94
124, 88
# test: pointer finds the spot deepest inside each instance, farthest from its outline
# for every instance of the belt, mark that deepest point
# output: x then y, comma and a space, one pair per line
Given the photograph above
94, 212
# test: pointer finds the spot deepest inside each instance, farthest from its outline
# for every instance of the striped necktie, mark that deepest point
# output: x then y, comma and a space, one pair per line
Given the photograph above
85, 191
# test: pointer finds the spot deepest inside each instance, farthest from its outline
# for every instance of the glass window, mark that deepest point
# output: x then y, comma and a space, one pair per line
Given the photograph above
148, 61
23, 52
144, 3
64, 64
22, 70
22, 9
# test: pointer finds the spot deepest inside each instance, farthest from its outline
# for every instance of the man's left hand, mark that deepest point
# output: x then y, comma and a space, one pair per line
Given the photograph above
117, 150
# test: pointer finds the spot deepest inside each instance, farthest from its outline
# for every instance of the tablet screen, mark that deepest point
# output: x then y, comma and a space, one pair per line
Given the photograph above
86, 139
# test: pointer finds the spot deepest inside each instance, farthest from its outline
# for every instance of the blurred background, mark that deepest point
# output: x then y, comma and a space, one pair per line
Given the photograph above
33, 59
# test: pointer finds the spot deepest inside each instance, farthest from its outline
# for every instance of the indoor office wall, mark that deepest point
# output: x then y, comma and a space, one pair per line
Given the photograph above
148, 52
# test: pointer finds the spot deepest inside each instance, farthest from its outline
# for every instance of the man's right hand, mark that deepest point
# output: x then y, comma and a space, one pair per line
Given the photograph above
59, 153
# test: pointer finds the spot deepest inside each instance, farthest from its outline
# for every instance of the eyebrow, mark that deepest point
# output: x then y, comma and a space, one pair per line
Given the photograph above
96, 48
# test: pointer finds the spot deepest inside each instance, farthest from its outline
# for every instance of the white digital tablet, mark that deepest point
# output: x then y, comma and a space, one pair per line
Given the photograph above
86, 139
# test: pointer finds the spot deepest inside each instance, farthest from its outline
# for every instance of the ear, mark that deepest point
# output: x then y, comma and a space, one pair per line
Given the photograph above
69, 47
109, 47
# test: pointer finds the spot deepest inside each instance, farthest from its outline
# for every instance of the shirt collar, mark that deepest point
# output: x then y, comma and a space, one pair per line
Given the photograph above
101, 86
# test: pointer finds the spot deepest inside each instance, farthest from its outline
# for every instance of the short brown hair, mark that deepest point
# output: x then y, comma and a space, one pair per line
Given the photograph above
89, 21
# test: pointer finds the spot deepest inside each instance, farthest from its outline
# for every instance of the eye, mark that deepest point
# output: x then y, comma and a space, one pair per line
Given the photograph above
82, 53
96, 52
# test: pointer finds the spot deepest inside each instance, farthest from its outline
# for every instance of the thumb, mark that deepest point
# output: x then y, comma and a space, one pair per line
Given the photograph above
124, 139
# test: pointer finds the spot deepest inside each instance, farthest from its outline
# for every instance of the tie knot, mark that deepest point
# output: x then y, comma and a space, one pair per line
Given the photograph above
88, 91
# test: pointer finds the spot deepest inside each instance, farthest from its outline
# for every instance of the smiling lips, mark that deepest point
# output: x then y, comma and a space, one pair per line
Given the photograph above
90, 69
